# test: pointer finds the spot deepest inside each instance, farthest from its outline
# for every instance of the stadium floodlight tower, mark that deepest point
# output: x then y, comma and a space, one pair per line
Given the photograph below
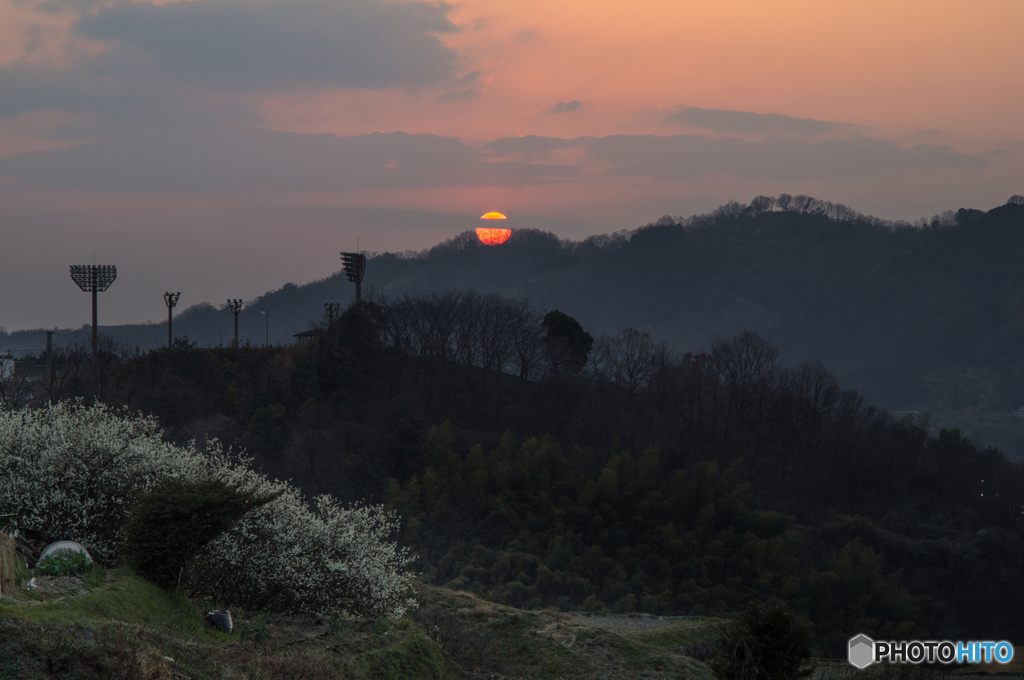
93, 278
355, 267
331, 307
170, 299
235, 306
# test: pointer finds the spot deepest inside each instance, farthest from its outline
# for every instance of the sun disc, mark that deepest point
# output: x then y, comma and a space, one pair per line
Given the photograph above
492, 237
493, 216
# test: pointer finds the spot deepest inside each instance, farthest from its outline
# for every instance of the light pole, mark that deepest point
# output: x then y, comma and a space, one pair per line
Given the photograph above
355, 267
235, 306
93, 279
266, 343
331, 307
170, 299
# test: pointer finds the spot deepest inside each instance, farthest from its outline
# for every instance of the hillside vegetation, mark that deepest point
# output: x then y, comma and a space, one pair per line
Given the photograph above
926, 316
644, 481
115, 625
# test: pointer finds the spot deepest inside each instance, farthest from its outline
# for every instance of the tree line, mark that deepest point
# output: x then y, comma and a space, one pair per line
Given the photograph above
610, 472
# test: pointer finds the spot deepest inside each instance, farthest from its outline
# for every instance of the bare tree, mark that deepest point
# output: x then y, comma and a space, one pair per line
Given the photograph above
467, 308
108, 362
495, 336
749, 367
527, 338
16, 385
485, 331
64, 371
762, 204
627, 361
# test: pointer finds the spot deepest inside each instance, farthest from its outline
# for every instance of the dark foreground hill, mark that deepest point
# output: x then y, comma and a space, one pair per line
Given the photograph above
115, 625
718, 479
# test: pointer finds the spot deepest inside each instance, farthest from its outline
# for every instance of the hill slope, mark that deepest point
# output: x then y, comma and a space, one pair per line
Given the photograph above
926, 318
120, 626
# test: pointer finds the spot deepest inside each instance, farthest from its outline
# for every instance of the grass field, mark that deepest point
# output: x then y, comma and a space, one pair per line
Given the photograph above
113, 624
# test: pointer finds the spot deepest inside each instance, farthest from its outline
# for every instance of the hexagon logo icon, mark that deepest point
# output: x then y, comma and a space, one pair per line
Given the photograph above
862, 651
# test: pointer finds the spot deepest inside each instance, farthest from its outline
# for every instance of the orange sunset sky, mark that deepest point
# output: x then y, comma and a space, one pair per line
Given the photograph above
225, 147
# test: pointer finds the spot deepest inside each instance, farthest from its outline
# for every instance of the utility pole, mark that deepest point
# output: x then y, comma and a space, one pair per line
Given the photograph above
94, 279
331, 307
235, 306
266, 342
170, 299
355, 267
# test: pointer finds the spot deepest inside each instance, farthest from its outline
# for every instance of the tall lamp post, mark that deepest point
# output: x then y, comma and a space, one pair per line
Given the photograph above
235, 306
94, 279
266, 343
170, 299
331, 307
355, 267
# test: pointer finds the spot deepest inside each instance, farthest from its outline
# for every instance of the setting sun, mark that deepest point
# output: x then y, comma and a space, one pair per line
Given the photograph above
493, 237
493, 216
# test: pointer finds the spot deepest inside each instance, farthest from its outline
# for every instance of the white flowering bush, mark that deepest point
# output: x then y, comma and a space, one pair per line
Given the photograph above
74, 472
289, 557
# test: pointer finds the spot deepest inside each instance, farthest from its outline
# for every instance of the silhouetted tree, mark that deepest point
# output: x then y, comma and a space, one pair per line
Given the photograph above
566, 343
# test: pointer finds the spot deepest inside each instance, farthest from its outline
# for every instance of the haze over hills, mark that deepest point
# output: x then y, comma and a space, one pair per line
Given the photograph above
916, 317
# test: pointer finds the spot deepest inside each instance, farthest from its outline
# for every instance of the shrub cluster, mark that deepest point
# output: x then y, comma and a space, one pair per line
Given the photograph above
71, 471
766, 644
177, 519
64, 563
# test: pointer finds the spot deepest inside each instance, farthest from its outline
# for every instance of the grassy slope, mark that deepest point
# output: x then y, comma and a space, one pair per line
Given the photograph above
117, 625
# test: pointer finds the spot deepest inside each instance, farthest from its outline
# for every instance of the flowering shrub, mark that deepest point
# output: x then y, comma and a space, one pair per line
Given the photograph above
287, 557
75, 472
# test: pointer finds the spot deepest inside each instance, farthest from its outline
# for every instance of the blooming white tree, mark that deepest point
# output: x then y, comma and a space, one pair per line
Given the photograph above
287, 556
75, 472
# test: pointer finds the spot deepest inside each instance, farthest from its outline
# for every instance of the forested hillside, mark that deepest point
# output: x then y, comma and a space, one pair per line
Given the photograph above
536, 465
926, 317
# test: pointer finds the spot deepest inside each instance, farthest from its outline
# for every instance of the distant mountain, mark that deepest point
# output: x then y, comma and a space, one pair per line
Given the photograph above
913, 316
924, 316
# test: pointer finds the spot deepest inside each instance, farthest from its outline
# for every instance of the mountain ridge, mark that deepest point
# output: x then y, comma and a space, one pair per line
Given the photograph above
888, 306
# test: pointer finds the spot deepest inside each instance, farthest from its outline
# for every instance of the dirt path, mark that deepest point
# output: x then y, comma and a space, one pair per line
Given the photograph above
638, 625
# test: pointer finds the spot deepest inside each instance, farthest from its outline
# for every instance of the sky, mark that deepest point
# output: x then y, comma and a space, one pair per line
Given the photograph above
225, 147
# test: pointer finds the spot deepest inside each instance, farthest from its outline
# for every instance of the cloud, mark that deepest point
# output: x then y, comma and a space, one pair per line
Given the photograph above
534, 146
198, 69
108, 105
566, 107
173, 64
388, 217
466, 95
473, 91
264, 160
694, 155
232, 45
744, 122
55, 6
224, 159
